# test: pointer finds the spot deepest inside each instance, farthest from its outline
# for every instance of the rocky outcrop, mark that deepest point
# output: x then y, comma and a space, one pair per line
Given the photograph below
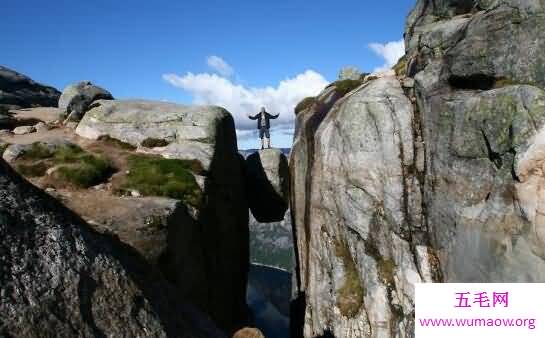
76, 99
205, 245
19, 91
355, 250
59, 278
405, 180
267, 178
185, 132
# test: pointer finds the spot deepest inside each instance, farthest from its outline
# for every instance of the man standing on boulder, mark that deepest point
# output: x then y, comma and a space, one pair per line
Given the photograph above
263, 124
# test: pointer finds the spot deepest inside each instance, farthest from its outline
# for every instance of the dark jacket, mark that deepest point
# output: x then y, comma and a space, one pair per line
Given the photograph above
267, 118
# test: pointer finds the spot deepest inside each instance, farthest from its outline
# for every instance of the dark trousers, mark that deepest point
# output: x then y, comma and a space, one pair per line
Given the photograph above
264, 132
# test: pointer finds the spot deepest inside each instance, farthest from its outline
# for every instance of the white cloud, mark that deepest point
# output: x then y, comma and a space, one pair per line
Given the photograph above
241, 100
391, 52
219, 65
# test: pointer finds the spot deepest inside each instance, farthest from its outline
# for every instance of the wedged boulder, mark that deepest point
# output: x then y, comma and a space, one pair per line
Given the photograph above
19, 91
61, 279
76, 99
267, 182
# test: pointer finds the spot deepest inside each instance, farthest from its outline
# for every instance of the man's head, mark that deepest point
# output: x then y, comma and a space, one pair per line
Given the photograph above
262, 110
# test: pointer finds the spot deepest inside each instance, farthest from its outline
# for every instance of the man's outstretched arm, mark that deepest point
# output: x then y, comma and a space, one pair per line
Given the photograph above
274, 116
253, 117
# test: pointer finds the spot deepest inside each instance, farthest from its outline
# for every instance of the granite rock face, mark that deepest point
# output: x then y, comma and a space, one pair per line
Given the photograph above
407, 179
355, 246
76, 99
186, 132
60, 278
19, 91
267, 178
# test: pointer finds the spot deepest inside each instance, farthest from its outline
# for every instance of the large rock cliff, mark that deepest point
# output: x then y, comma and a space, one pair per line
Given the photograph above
436, 175
18, 90
58, 278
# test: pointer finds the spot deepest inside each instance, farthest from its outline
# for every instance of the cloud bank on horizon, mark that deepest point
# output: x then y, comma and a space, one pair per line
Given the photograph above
218, 87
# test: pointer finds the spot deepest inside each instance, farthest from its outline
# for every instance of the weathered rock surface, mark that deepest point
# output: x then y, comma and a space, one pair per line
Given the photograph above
248, 332
267, 177
189, 131
14, 151
355, 250
59, 278
17, 90
398, 184
24, 130
76, 99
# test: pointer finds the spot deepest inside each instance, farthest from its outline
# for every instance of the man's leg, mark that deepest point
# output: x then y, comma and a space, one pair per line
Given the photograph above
268, 136
261, 136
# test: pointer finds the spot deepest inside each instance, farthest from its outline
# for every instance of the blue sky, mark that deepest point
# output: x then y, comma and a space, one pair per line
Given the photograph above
146, 49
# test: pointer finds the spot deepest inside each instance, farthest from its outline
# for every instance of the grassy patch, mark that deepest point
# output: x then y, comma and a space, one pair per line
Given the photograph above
76, 166
80, 168
37, 151
304, 104
151, 142
401, 67
116, 143
350, 295
32, 170
157, 176
344, 87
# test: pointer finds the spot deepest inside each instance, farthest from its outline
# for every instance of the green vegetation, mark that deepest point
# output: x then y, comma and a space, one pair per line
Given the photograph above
151, 142
37, 151
386, 269
304, 104
32, 170
156, 176
116, 143
75, 166
80, 168
350, 295
401, 67
344, 87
